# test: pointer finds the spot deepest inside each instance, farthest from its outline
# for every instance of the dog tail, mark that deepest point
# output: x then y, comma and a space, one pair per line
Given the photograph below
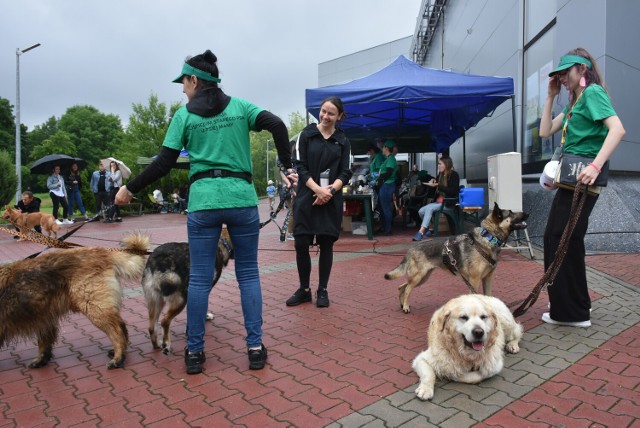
129, 263
399, 270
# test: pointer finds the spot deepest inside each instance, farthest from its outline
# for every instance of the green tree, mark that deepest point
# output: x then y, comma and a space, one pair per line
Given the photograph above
297, 123
8, 178
60, 142
95, 135
7, 127
42, 132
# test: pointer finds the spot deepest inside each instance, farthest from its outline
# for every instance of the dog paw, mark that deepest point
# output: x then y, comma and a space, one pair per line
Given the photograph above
406, 310
512, 347
424, 392
115, 363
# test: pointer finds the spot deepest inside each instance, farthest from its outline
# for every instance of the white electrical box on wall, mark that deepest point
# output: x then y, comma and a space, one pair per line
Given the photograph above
505, 180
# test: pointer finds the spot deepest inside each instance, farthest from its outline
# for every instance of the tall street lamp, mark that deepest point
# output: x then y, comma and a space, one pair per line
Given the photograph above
18, 145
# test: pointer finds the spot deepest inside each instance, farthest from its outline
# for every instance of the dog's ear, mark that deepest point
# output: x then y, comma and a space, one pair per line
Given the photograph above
445, 319
497, 211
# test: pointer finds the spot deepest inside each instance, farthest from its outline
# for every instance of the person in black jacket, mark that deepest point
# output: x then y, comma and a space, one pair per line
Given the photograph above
73, 181
29, 204
447, 186
323, 168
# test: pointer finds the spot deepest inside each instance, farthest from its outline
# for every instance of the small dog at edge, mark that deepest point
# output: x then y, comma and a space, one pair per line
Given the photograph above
475, 254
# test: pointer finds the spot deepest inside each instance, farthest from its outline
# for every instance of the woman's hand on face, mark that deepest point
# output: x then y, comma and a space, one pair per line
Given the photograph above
553, 88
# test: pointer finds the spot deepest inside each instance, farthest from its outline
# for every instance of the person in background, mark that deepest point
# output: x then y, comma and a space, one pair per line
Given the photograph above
271, 194
116, 181
73, 182
447, 185
58, 194
100, 186
323, 149
376, 158
215, 129
388, 176
590, 127
157, 195
29, 204
179, 204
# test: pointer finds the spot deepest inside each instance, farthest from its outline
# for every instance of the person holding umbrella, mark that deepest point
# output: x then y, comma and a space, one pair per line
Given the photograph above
58, 193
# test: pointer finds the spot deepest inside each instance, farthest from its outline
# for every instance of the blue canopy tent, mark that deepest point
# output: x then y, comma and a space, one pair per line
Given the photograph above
422, 109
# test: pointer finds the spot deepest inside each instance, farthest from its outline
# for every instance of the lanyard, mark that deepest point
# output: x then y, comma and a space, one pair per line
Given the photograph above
566, 123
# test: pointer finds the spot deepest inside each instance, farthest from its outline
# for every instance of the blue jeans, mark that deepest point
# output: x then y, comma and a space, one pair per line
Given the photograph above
426, 213
386, 202
204, 228
75, 198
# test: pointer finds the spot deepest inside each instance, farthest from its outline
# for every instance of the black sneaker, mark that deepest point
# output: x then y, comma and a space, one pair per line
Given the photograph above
257, 358
194, 361
300, 296
322, 298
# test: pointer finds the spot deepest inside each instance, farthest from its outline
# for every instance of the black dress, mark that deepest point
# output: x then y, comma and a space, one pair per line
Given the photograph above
316, 155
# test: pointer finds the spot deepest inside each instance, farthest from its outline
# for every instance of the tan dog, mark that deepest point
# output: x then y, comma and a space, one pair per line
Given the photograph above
166, 279
35, 294
466, 338
472, 256
26, 221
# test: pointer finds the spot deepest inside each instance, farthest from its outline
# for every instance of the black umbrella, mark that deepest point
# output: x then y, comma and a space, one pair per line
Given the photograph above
45, 164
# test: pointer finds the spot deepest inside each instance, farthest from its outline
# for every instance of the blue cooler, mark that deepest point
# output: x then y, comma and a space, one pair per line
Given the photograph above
472, 197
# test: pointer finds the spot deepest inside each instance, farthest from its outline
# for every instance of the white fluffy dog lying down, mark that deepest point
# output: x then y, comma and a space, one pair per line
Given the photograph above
466, 340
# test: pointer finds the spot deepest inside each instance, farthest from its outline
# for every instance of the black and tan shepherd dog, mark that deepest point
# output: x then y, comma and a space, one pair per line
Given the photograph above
35, 294
473, 256
166, 279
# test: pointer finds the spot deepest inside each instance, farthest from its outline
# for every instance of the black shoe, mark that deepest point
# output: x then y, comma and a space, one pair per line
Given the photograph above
118, 220
257, 358
194, 361
300, 296
322, 298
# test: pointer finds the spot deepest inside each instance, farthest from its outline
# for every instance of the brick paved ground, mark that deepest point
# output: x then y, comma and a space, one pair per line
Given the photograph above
346, 365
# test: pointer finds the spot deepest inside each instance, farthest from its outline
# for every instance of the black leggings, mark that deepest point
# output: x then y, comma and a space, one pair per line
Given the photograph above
303, 259
57, 201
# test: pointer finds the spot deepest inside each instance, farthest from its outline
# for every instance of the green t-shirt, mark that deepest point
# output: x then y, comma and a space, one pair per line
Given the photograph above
586, 131
218, 142
376, 162
390, 162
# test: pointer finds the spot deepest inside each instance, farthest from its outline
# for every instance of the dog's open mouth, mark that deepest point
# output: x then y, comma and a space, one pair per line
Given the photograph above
476, 346
519, 226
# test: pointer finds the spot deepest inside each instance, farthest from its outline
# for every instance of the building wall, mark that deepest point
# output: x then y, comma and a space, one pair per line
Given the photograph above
362, 63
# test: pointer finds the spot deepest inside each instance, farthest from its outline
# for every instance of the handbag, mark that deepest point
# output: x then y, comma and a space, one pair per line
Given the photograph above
571, 166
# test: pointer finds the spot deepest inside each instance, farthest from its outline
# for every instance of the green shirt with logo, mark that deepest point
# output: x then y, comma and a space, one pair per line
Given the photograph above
218, 142
390, 162
586, 131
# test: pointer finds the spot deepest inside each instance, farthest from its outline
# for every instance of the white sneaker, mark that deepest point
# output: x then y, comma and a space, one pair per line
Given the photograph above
547, 318
67, 221
59, 222
290, 237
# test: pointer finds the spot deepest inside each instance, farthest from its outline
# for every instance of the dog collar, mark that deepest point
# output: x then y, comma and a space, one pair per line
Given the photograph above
492, 239
227, 246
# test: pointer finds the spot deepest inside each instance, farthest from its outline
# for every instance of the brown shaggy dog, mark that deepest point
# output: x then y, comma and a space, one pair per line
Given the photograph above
26, 221
35, 294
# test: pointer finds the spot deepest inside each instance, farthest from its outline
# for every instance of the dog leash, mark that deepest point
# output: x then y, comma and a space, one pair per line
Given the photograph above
451, 263
579, 198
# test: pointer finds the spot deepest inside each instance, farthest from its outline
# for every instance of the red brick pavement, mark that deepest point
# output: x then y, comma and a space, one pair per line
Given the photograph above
323, 364
621, 266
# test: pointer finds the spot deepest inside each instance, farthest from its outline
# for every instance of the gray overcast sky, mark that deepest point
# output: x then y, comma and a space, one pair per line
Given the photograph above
111, 54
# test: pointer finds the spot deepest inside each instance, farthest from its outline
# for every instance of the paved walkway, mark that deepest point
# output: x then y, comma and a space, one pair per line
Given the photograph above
348, 365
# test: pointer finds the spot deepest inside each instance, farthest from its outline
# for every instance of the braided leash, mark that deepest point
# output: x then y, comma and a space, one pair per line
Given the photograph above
579, 198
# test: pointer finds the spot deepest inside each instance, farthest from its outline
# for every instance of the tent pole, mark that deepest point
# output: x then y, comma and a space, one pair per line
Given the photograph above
464, 153
513, 123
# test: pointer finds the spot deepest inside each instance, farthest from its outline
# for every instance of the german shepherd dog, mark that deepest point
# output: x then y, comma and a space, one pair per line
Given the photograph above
166, 280
35, 294
26, 221
472, 256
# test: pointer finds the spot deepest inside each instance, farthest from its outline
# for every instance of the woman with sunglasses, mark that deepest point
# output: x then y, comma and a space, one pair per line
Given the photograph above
591, 128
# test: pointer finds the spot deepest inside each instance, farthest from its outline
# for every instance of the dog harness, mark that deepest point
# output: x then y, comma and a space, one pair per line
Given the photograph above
450, 262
